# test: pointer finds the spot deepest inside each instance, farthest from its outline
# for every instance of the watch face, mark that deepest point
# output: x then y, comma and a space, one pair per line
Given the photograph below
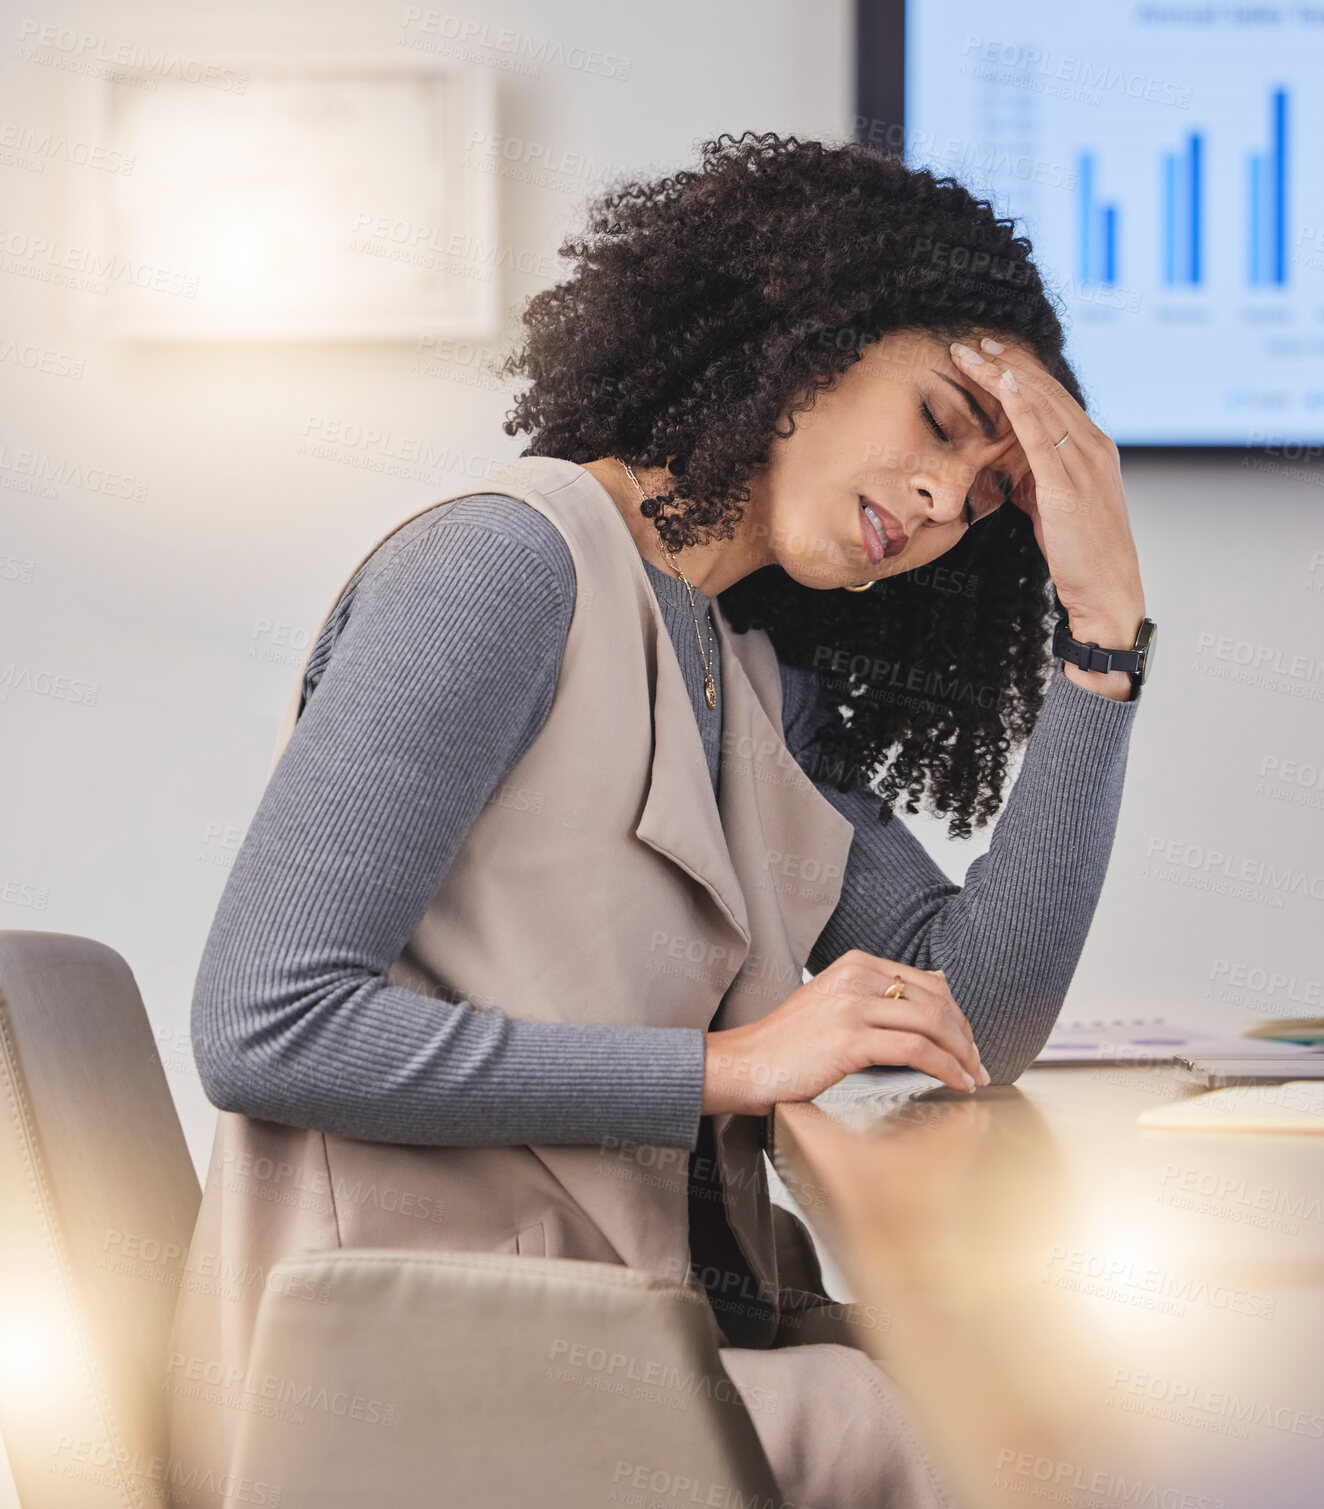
1146, 640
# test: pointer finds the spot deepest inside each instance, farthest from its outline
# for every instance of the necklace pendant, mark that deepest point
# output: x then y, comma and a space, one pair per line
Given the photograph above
709, 691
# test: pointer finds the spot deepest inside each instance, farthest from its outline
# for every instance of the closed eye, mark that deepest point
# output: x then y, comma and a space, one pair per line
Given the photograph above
967, 513
931, 421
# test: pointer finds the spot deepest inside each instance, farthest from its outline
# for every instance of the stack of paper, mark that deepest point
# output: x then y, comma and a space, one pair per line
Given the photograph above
1219, 1058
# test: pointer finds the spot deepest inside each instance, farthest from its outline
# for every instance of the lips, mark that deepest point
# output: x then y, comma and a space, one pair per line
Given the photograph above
883, 532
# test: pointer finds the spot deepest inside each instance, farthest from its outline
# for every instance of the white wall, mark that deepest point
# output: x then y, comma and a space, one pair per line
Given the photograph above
157, 601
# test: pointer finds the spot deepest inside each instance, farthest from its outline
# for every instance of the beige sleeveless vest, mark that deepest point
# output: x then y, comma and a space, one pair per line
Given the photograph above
602, 882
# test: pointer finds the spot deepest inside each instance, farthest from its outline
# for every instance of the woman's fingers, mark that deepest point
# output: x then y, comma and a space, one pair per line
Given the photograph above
915, 1051
1079, 506
933, 1018
1045, 395
926, 1008
1033, 410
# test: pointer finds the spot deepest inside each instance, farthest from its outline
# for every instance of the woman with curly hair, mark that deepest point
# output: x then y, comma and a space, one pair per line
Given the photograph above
583, 771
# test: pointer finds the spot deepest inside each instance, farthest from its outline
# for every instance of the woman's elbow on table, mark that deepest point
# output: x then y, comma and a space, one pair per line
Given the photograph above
1008, 1054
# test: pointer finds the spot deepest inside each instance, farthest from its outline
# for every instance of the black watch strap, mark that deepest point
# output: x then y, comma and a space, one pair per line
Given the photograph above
1093, 657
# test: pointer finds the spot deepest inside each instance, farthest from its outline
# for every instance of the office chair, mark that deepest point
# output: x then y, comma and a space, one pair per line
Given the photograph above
469, 1379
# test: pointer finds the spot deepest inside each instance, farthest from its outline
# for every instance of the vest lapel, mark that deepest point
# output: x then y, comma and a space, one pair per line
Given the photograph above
773, 851
786, 842
680, 819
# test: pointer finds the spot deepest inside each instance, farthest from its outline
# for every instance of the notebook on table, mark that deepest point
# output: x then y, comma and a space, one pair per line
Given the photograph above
1295, 1106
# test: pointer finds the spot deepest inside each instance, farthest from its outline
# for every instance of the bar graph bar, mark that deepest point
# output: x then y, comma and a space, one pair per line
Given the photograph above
1266, 202
1183, 197
1255, 217
1098, 229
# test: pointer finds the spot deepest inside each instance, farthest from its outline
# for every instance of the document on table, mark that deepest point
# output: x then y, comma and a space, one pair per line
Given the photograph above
1143, 1041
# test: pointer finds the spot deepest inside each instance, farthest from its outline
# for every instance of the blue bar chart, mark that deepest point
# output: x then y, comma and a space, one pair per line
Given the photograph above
1181, 190
1167, 167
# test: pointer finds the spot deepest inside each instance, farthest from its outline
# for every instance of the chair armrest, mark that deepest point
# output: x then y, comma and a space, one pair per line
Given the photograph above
488, 1380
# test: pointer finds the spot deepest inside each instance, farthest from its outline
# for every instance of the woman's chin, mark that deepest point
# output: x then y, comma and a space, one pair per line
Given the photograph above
827, 573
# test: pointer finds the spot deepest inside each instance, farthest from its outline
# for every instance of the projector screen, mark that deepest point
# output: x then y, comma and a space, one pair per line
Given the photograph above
1167, 162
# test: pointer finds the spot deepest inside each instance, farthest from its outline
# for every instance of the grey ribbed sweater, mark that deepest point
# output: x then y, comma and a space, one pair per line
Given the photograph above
427, 684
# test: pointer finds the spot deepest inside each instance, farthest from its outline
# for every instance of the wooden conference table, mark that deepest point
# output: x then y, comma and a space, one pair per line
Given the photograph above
1082, 1311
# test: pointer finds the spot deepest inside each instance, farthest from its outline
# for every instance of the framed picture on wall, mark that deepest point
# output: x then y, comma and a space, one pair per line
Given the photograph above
273, 198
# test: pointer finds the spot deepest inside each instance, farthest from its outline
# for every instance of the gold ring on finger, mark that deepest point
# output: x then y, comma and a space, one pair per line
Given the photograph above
895, 990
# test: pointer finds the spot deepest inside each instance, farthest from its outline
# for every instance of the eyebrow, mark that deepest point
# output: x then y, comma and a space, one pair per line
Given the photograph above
981, 419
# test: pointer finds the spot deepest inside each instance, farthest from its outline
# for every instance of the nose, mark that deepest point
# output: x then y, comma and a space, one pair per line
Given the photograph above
942, 494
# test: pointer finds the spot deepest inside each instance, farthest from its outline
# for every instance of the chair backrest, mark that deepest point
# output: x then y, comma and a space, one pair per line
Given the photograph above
98, 1199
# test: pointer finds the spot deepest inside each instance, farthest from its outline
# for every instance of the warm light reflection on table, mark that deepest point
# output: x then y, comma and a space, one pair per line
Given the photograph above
1082, 1312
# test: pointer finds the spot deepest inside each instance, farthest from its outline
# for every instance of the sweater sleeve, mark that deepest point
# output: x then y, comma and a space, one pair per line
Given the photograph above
427, 691
1010, 938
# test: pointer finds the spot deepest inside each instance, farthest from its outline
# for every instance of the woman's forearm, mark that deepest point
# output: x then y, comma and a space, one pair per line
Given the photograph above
1010, 938
380, 1063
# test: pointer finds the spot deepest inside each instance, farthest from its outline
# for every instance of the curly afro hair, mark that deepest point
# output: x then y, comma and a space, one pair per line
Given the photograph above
708, 308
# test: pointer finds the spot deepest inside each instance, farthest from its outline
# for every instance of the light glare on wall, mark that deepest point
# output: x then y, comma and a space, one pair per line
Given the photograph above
240, 251
247, 209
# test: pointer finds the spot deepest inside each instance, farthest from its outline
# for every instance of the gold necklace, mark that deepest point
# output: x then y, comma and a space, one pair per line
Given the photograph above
709, 685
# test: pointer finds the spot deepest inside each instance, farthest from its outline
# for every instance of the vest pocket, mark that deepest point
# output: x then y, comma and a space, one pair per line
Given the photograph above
532, 1241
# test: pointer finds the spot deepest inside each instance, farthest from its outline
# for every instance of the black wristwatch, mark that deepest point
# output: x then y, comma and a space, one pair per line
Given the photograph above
1089, 657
